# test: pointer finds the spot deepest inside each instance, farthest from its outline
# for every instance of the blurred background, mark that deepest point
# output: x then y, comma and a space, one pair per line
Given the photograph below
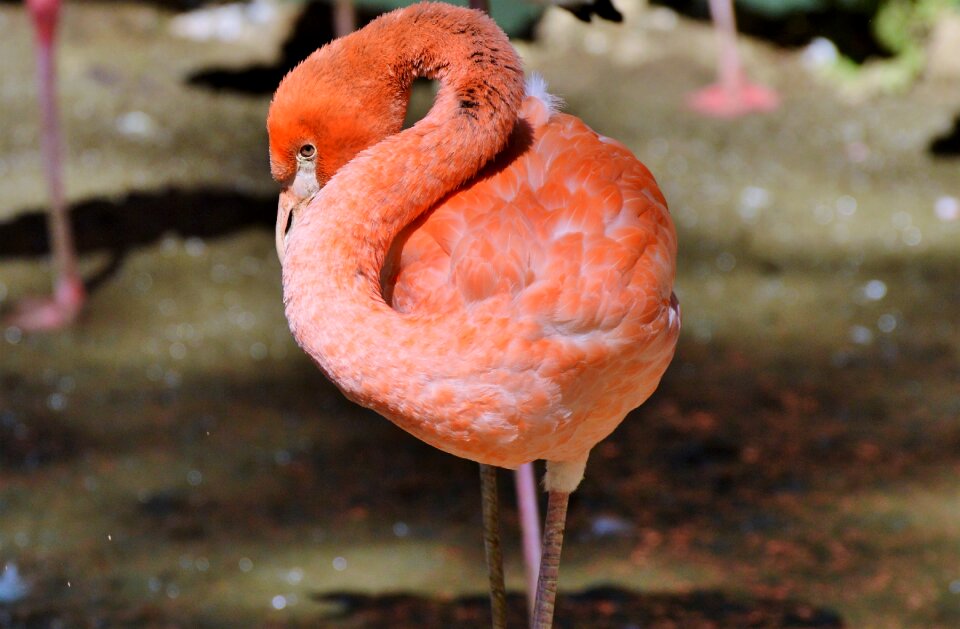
173, 460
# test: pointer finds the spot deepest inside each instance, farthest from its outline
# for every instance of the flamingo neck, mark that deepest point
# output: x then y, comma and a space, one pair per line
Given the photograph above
331, 270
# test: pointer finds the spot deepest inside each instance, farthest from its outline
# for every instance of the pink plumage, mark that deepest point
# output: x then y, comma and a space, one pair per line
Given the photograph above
497, 279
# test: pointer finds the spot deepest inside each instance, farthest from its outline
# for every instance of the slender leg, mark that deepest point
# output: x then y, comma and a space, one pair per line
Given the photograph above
491, 544
550, 562
732, 95
344, 18
68, 292
530, 526
728, 59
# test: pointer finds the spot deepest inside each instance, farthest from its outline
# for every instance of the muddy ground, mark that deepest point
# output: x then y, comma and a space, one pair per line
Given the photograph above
173, 460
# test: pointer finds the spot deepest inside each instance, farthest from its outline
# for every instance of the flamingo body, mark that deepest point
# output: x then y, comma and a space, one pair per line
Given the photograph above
559, 258
504, 315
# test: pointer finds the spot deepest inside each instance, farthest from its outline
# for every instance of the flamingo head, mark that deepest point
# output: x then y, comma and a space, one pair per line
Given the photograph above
330, 107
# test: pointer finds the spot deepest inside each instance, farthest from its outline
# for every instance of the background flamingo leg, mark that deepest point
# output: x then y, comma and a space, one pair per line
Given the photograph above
344, 18
63, 306
732, 95
530, 527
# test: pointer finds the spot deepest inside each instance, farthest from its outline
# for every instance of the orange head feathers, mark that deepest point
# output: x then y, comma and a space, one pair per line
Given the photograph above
336, 103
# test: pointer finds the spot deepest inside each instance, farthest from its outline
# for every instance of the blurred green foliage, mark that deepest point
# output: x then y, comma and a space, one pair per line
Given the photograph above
903, 27
513, 16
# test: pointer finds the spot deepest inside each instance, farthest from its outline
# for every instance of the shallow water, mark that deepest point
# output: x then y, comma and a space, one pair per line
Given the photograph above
174, 460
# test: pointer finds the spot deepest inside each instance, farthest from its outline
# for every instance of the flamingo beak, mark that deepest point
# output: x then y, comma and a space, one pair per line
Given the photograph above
295, 196
287, 204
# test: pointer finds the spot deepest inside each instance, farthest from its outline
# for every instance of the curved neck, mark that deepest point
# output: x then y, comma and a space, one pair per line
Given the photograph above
337, 247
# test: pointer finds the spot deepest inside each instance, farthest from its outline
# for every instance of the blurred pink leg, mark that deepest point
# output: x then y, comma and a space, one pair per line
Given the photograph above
733, 95
530, 526
62, 307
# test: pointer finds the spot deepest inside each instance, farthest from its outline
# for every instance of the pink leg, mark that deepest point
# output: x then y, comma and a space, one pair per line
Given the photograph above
733, 95
530, 525
61, 308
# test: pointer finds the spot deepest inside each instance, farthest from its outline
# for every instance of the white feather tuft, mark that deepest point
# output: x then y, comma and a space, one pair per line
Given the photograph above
564, 476
537, 88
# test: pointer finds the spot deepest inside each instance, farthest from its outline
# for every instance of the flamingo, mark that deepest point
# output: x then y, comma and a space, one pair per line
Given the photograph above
63, 306
732, 95
496, 280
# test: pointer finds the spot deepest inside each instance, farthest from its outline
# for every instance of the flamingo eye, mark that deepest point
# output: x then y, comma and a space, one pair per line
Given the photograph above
307, 151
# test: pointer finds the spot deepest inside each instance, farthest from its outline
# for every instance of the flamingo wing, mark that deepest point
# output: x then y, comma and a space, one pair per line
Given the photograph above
564, 250
574, 233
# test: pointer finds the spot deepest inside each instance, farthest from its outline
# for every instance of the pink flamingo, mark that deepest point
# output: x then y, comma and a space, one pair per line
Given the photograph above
63, 306
496, 280
732, 95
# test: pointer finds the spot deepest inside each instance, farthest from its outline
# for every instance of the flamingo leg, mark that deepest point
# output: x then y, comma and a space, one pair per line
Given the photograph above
491, 544
732, 95
530, 526
344, 18
728, 60
68, 291
550, 562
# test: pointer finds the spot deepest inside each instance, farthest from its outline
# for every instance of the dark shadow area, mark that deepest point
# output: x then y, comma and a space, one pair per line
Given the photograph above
848, 27
604, 607
119, 225
312, 29
27, 443
603, 9
315, 484
948, 144
715, 452
141, 218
